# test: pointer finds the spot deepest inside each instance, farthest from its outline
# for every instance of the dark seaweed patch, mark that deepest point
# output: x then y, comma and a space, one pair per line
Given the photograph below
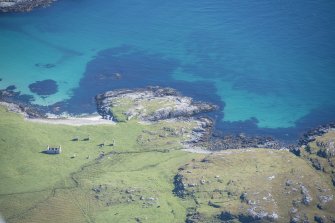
128, 67
316, 117
11, 88
44, 88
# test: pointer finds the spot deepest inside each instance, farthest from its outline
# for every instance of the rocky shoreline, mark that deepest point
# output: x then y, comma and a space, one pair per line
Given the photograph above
22, 5
154, 104
243, 141
18, 103
173, 106
311, 135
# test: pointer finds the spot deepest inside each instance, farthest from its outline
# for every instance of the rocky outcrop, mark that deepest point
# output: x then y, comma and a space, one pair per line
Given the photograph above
154, 104
200, 134
26, 111
256, 191
306, 197
22, 5
251, 216
312, 134
218, 142
179, 187
320, 152
327, 148
150, 104
20, 103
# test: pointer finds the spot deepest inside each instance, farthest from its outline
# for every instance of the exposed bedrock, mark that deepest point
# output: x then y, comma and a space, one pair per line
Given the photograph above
150, 104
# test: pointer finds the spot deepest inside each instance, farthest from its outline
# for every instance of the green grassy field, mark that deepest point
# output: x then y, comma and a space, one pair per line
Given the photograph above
36, 187
133, 180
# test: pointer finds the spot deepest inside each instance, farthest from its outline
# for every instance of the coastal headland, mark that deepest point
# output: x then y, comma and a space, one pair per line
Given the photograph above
151, 155
84, 138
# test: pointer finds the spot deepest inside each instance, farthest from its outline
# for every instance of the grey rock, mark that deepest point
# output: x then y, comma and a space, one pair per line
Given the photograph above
22, 5
182, 106
307, 198
293, 210
259, 214
327, 149
288, 183
325, 198
312, 134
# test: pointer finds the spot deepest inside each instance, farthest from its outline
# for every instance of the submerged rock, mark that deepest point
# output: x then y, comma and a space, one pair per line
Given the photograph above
47, 65
45, 87
11, 88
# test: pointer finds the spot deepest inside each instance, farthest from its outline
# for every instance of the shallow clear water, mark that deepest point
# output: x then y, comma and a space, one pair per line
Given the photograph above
269, 65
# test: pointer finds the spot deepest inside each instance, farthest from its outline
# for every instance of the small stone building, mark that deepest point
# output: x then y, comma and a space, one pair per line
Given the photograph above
53, 150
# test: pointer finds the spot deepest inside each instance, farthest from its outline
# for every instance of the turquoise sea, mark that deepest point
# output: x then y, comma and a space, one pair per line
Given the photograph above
270, 65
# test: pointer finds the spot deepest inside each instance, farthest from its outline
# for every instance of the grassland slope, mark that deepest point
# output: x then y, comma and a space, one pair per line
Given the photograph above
255, 185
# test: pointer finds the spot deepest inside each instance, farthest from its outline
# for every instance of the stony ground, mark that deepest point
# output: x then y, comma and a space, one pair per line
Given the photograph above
256, 185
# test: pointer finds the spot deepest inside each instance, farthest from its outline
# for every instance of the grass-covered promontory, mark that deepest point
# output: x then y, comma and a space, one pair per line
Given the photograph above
145, 176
